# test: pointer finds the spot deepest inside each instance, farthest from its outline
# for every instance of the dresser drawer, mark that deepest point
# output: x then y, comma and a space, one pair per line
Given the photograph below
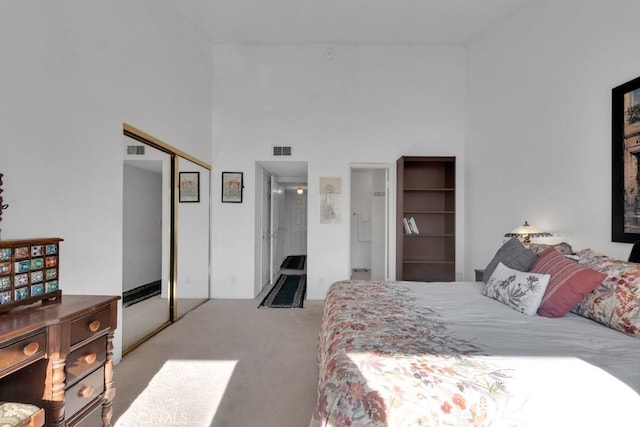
89, 325
23, 351
83, 393
86, 358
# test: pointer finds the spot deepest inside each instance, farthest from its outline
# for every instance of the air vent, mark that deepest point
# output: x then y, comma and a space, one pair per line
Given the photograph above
135, 149
282, 151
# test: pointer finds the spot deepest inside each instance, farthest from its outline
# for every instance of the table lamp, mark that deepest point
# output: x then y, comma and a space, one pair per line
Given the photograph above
527, 232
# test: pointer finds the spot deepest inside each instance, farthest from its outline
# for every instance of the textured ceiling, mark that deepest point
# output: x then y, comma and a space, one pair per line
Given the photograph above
344, 21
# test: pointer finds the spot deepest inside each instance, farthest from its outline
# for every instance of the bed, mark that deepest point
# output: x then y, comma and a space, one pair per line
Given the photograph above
443, 354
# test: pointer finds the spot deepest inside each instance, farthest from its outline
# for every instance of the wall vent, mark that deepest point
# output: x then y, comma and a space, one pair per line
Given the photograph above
135, 149
282, 151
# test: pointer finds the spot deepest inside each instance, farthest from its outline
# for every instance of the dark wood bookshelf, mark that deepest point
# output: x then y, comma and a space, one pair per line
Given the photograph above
426, 192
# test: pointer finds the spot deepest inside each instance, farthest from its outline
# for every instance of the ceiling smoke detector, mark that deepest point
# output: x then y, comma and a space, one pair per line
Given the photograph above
329, 54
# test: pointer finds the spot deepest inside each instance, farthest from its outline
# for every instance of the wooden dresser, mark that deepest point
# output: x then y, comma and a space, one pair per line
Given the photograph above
59, 357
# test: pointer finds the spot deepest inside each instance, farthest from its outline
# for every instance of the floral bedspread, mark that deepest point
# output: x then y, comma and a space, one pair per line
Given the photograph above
385, 360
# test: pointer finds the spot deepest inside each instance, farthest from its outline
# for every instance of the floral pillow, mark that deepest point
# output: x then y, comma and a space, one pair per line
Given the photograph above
519, 290
539, 248
616, 302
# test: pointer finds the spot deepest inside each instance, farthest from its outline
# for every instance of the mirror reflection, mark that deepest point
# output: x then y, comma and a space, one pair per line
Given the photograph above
146, 207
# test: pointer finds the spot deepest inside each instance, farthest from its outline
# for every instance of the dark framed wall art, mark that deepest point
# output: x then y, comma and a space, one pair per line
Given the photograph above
625, 179
232, 187
189, 187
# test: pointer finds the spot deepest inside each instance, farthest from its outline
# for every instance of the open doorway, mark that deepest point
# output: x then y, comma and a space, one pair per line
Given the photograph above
369, 223
281, 221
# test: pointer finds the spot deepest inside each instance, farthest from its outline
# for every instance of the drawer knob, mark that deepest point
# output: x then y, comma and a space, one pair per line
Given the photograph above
85, 391
31, 348
90, 358
94, 326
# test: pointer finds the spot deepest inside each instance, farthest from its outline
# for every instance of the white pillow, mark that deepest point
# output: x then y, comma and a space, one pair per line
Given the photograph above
519, 290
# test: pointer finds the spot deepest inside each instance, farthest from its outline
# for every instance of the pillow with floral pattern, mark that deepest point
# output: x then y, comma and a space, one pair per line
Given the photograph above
520, 290
539, 248
616, 301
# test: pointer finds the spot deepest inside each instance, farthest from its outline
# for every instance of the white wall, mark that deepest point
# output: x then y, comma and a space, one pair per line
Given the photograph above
538, 144
193, 238
72, 72
369, 104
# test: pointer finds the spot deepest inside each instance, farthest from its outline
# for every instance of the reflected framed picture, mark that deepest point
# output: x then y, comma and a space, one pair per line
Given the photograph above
189, 187
625, 143
232, 187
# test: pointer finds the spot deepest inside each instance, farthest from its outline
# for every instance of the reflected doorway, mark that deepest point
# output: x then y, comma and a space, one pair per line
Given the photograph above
369, 252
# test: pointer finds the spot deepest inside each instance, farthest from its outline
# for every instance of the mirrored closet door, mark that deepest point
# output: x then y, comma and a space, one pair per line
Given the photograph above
166, 223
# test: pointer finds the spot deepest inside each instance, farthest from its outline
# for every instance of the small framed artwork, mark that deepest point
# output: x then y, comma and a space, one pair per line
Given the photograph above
232, 187
189, 187
330, 200
625, 220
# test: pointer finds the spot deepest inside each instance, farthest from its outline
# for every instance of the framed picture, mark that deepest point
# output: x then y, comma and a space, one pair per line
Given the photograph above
189, 187
232, 187
625, 142
330, 200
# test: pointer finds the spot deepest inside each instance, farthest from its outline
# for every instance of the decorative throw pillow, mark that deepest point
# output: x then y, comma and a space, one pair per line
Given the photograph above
569, 282
563, 247
520, 290
616, 302
512, 254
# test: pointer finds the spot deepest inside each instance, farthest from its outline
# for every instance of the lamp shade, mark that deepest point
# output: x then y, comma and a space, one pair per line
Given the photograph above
527, 231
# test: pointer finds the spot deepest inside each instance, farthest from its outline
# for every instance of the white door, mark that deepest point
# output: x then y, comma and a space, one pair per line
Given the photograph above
276, 258
380, 225
298, 235
266, 230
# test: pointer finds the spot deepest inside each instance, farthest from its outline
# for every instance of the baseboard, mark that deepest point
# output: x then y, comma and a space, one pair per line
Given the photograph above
141, 293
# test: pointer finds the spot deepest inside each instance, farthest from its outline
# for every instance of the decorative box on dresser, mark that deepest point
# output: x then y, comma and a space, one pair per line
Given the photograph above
426, 198
59, 357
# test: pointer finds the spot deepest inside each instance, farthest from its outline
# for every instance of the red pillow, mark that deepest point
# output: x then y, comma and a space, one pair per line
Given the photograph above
569, 282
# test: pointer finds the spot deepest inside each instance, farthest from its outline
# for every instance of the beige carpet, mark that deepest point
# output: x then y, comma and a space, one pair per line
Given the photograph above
227, 363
